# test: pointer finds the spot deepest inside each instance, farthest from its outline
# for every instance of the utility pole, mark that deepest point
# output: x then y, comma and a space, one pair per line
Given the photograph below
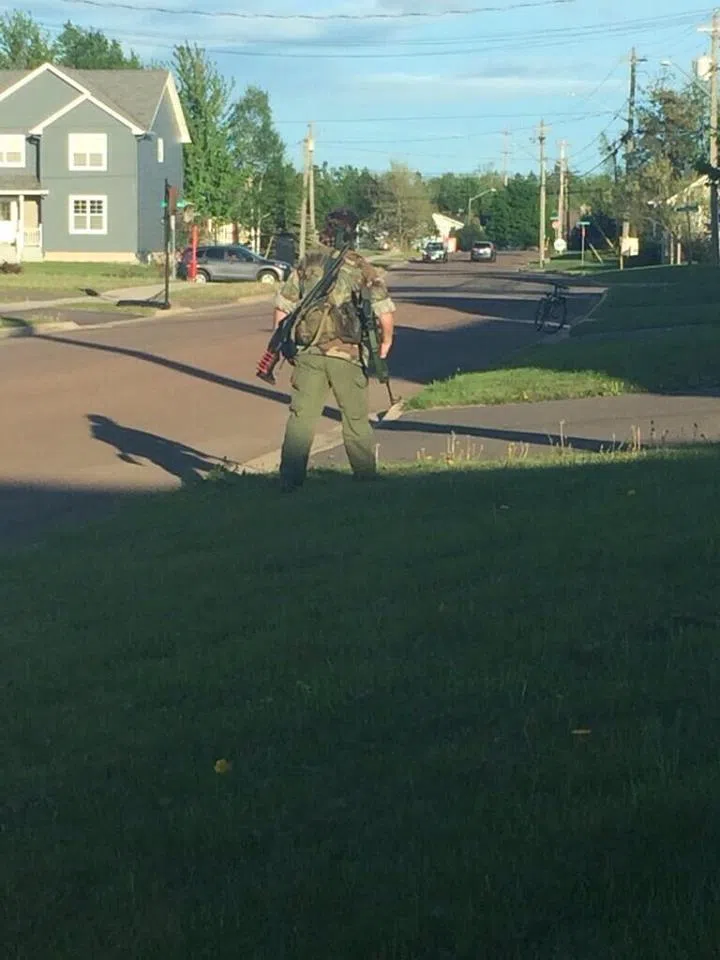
714, 136
715, 231
311, 183
305, 194
560, 230
542, 137
630, 141
307, 211
506, 156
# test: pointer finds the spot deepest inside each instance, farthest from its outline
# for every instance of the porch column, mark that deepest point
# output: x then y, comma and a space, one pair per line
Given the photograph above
21, 228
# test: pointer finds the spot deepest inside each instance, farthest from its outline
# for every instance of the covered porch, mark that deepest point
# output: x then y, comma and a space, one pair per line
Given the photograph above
21, 224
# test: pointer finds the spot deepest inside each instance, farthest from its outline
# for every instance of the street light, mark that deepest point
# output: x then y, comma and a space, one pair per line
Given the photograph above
477, 197
695, 81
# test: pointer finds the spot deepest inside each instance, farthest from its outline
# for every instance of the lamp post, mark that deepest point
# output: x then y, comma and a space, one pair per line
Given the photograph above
477, 197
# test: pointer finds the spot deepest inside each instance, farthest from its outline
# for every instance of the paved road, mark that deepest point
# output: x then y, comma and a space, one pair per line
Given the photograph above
89, 414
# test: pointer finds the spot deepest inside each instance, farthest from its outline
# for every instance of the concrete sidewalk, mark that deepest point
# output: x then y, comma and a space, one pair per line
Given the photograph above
536, 429
110, 296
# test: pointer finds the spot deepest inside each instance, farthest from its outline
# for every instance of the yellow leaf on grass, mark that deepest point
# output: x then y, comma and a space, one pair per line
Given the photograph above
223, 766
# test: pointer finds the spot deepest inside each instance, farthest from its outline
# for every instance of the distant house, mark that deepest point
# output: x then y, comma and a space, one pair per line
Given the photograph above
84, 155
445, 226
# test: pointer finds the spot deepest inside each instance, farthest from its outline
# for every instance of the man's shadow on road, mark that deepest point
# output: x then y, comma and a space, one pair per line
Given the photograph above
132, 446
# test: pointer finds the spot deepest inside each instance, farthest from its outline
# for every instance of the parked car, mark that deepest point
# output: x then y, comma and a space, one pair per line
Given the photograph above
483, 250
232, 262
435, 252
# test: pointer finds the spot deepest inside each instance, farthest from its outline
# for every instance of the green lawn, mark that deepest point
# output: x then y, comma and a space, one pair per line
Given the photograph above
45, 281
668, 297
663, 361
659, 334
460, 714
192, 294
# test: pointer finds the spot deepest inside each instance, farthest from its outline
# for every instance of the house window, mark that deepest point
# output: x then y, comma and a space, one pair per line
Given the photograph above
87, 151
88, 215
12, 150
161, 150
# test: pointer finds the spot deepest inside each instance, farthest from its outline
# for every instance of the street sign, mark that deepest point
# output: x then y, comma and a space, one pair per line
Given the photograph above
583, 223
688, 208
555, 224
560, 245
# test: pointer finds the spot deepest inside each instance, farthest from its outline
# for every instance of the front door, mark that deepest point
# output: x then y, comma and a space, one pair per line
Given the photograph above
8, 220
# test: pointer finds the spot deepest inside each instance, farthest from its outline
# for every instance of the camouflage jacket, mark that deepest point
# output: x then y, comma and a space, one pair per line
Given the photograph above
317, 331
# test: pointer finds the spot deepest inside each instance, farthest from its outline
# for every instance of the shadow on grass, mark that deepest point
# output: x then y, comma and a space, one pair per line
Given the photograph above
489, 761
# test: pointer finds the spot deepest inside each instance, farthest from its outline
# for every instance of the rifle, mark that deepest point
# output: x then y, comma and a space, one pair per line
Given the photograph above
369, 327
281, 343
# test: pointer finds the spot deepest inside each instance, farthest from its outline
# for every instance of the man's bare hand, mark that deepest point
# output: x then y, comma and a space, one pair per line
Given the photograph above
387, 326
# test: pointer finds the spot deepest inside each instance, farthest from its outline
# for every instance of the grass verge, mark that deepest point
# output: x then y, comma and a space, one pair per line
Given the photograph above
669, 297
664, 361
45, 281
191, 294
467, 717
673, 316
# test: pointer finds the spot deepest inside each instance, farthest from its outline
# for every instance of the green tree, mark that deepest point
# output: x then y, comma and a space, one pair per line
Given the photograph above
328, 192
403, 209
673, 125
24, 45
451, 192
205, 97
357, 189
91, 50
512, 217
260, 175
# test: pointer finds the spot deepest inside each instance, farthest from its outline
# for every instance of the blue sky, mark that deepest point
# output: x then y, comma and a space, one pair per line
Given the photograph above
435, 92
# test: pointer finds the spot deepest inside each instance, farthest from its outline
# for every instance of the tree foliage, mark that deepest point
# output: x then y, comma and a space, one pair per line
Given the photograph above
91, 50
403, 208
258, 156
205, 97
24, 45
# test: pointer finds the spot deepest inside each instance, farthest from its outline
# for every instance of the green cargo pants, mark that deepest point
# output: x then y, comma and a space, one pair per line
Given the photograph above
312, 374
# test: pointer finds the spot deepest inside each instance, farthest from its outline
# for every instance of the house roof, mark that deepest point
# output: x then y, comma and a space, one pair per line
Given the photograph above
17, 182
134, 95
700, 182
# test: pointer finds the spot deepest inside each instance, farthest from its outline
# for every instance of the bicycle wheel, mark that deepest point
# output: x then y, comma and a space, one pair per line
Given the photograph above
558, 314
541, 314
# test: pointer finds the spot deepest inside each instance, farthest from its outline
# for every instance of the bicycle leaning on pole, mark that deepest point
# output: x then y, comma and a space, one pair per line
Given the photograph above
551, 313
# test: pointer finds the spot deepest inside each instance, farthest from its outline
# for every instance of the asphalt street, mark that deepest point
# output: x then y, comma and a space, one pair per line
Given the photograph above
88, 416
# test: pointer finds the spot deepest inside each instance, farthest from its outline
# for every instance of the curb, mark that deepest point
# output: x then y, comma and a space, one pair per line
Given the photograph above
31, 329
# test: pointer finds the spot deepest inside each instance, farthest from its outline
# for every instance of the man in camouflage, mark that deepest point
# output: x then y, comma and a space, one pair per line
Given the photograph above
330, 353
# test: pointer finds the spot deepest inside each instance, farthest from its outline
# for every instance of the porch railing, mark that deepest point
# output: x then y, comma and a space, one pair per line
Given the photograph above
33, 236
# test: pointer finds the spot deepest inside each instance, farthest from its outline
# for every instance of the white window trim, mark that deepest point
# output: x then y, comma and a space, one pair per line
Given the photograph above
160, 150
88, 169
23, 151
71, 215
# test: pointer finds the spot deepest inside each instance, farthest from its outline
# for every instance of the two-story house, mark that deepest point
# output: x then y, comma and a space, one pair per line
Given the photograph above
84, 156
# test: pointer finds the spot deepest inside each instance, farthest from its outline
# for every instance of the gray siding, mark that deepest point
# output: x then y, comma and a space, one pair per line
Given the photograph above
152, 175
34, 102
118, 184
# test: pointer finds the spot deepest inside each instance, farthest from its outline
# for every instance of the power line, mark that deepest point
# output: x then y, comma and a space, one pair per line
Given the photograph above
602, 133
242, 15
541, 38
471, 116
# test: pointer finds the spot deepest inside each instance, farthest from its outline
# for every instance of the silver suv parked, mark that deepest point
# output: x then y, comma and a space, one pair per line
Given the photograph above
232, 262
